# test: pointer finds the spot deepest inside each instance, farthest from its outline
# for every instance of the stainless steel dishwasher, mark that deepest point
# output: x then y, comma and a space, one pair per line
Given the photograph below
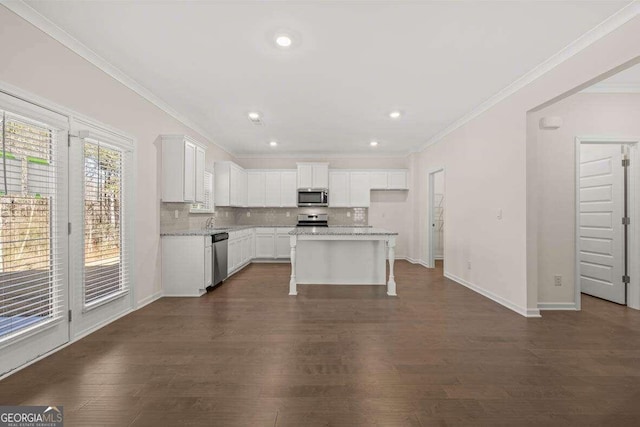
220, 242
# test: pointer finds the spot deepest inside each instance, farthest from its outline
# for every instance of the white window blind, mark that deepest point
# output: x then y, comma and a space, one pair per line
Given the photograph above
207, 205
106, 270
31, 259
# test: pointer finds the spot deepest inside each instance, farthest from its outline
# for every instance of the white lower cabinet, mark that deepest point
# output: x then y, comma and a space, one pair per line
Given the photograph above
240, 250
272, 243
186, 265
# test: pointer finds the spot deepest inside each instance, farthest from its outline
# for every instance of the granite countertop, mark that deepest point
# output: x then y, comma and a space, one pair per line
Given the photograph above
230, 228
341, 231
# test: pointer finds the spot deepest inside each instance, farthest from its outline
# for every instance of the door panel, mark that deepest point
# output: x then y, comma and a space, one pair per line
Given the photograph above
34, 291
601, 262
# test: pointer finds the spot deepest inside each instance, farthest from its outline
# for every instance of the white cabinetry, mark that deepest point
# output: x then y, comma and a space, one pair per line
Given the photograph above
272, 243
313, 175
394, 179
349, 189
265, 247
230, 184
186, 265
288, 189
359, 189
255, 189
271, 188
240, 250
338, 189
182, 169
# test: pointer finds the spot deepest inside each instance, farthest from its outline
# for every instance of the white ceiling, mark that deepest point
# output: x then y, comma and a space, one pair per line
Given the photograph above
354, 62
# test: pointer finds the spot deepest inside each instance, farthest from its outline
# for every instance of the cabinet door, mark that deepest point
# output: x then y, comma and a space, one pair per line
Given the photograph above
305, 176
265, 246
234, 186
378, 180
208, 266
320, 175
199, 175
189, 172
255, 189
247, 250
242, 184
236, 253
272, 189
359, 189
398, 180
288, 190
283, 245
338, 189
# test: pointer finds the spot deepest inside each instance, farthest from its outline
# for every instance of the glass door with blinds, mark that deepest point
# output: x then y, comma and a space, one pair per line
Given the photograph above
100, 184
34, 292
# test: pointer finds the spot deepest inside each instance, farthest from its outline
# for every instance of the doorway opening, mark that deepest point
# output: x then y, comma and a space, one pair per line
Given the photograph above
606, 213
436, 217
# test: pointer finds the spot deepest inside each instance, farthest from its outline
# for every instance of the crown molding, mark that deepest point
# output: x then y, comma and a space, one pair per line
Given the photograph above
607, 26
613, 88
45, 25
334, 155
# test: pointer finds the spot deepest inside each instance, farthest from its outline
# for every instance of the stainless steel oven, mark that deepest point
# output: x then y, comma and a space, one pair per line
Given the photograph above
313, 197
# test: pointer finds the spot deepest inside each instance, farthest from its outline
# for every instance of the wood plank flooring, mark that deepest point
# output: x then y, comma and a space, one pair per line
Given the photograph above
247, 354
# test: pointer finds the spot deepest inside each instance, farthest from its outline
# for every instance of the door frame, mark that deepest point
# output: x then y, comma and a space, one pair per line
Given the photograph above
633, 288
431, 262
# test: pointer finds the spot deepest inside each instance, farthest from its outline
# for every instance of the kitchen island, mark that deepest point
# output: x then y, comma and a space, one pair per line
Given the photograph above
341, 256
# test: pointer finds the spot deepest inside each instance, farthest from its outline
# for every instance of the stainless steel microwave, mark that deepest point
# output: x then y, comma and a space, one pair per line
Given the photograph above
313, 197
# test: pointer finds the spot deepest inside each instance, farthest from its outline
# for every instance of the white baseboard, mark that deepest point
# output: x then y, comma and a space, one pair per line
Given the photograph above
148, 300
526, 312
571, 306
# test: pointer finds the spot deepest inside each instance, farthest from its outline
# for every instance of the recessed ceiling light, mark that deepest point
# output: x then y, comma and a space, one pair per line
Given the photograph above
273, 143
283, 40
254, 116
373, 143
395, 114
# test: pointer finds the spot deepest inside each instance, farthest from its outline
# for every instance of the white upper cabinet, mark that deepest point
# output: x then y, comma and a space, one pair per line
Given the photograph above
255, 189
289, 189
398, 180
182, 169
338, 189
359, 189
272, 183
378, 180
271, 188
313, 175
392, 179
230, 184
349, 189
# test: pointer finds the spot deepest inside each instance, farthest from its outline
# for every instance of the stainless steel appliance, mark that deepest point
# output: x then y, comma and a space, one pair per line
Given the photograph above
313, 197
313, 220
220, 242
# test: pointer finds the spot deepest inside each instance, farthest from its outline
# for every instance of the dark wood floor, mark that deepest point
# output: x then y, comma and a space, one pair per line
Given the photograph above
438, 354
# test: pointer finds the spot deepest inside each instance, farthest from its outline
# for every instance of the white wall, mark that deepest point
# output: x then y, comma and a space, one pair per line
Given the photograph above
489, 166
36, 63
584, 114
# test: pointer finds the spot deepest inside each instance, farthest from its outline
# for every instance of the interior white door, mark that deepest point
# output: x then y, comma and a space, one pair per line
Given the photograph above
601, 232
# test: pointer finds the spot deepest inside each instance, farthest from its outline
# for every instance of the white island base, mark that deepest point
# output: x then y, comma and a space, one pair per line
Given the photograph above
342, 256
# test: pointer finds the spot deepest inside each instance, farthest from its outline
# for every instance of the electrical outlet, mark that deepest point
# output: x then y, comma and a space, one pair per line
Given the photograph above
348, 214
226, 214
469, 265
176, 213
288, 214
248, 213
557, 280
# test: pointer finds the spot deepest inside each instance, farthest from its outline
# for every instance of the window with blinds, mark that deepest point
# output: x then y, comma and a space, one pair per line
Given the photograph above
31, 282
105, 272
207, 205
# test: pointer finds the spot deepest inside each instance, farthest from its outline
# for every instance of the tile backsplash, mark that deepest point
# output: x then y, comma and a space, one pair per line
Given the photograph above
253, 216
